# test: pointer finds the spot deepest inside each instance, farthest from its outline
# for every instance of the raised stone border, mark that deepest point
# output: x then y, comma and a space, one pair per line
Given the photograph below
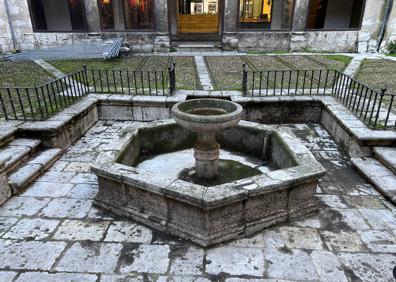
211, 215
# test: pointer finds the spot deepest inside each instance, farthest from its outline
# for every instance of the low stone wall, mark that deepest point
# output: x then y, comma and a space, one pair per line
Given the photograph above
63, 129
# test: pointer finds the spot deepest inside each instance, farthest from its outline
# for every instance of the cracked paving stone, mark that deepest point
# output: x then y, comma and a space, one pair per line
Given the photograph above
186, 260
125, 231
123, 278
90, 257
235, 261
6, 276
273, 239
76, 230
48, 189
353, 219
364, 202
55, 277
301, 238
145, 259
380, 241
328, 267
56, 177
23, 255
290, 264
176, 278
332, 201
23, 206
6, 223
31, 229
368, 267
83, 191
342, 241
256, 241
84, 178
78, 167
379, 219
67, 208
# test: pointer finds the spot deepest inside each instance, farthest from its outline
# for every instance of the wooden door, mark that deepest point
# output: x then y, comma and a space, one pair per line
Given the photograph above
198, 16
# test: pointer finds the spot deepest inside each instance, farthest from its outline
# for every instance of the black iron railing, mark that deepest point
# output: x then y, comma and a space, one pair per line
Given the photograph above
374, 108
41, 102
134, 82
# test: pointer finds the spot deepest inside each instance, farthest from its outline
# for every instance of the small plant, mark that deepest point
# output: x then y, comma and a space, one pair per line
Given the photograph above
392, 47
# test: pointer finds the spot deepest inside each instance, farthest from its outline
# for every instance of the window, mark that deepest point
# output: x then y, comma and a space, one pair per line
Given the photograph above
335, 14
57, 15
126, 14
265, 14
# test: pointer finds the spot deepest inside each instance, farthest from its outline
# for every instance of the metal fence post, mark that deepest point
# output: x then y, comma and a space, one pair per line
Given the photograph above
244, 80
172, 79
382, 94
86, 78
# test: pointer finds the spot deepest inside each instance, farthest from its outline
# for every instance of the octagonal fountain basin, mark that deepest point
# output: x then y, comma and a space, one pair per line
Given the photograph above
265, 176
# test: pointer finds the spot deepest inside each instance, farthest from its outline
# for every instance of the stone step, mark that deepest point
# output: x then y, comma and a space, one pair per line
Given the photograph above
6, 135
387, 156
185, 46
377, 174
32, 169
17, 151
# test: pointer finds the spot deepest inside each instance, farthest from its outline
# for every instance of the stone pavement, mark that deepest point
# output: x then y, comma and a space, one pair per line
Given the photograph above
51, 232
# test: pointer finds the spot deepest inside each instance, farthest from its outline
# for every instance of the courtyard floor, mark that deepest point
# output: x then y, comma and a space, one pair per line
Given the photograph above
51, 232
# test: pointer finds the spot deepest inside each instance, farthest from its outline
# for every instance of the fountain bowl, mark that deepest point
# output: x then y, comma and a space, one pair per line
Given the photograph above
205, 114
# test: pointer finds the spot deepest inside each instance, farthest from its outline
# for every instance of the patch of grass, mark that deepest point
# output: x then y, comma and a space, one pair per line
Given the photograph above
22, 74
267, 52
340, 58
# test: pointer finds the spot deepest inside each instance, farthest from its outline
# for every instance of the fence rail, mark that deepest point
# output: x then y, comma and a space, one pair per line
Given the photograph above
134, 82
41, 102
374, 108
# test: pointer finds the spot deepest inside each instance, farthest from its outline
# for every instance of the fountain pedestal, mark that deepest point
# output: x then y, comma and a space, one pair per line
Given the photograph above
206, 117
206, 154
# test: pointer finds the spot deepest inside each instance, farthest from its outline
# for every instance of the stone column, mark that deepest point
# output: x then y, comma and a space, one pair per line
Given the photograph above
92, 15
20, 17
230, 17
5, 33
371, 25
162, 39
206, 153
300, 15
277, 10
5, 190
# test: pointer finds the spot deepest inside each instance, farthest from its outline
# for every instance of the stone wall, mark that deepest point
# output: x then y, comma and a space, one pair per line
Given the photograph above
364, 40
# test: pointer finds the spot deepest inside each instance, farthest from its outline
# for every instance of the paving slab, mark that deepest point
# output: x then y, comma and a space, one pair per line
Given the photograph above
24, 255
31, 229
90, 257
77, 230
145, 259
235, 261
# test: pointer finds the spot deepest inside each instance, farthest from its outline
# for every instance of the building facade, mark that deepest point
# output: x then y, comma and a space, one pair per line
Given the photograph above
155, 25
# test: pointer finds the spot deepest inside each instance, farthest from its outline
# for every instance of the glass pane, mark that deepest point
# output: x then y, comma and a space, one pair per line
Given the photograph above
198, 7
37, 15
265, 14
139, 14
335, 14
76, 8
106, 14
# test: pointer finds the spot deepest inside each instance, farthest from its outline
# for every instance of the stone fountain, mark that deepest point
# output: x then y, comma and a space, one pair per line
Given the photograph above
206, 117
255, 175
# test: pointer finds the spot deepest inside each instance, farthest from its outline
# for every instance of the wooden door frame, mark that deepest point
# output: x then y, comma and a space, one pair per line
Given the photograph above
175, 5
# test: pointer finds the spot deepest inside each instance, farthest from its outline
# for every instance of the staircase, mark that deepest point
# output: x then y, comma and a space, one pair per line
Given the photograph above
26, 159
196, 46
380, 170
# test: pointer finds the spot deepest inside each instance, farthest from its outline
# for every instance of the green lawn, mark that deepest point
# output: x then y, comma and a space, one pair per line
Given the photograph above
22, 74
186, 74
226, 72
